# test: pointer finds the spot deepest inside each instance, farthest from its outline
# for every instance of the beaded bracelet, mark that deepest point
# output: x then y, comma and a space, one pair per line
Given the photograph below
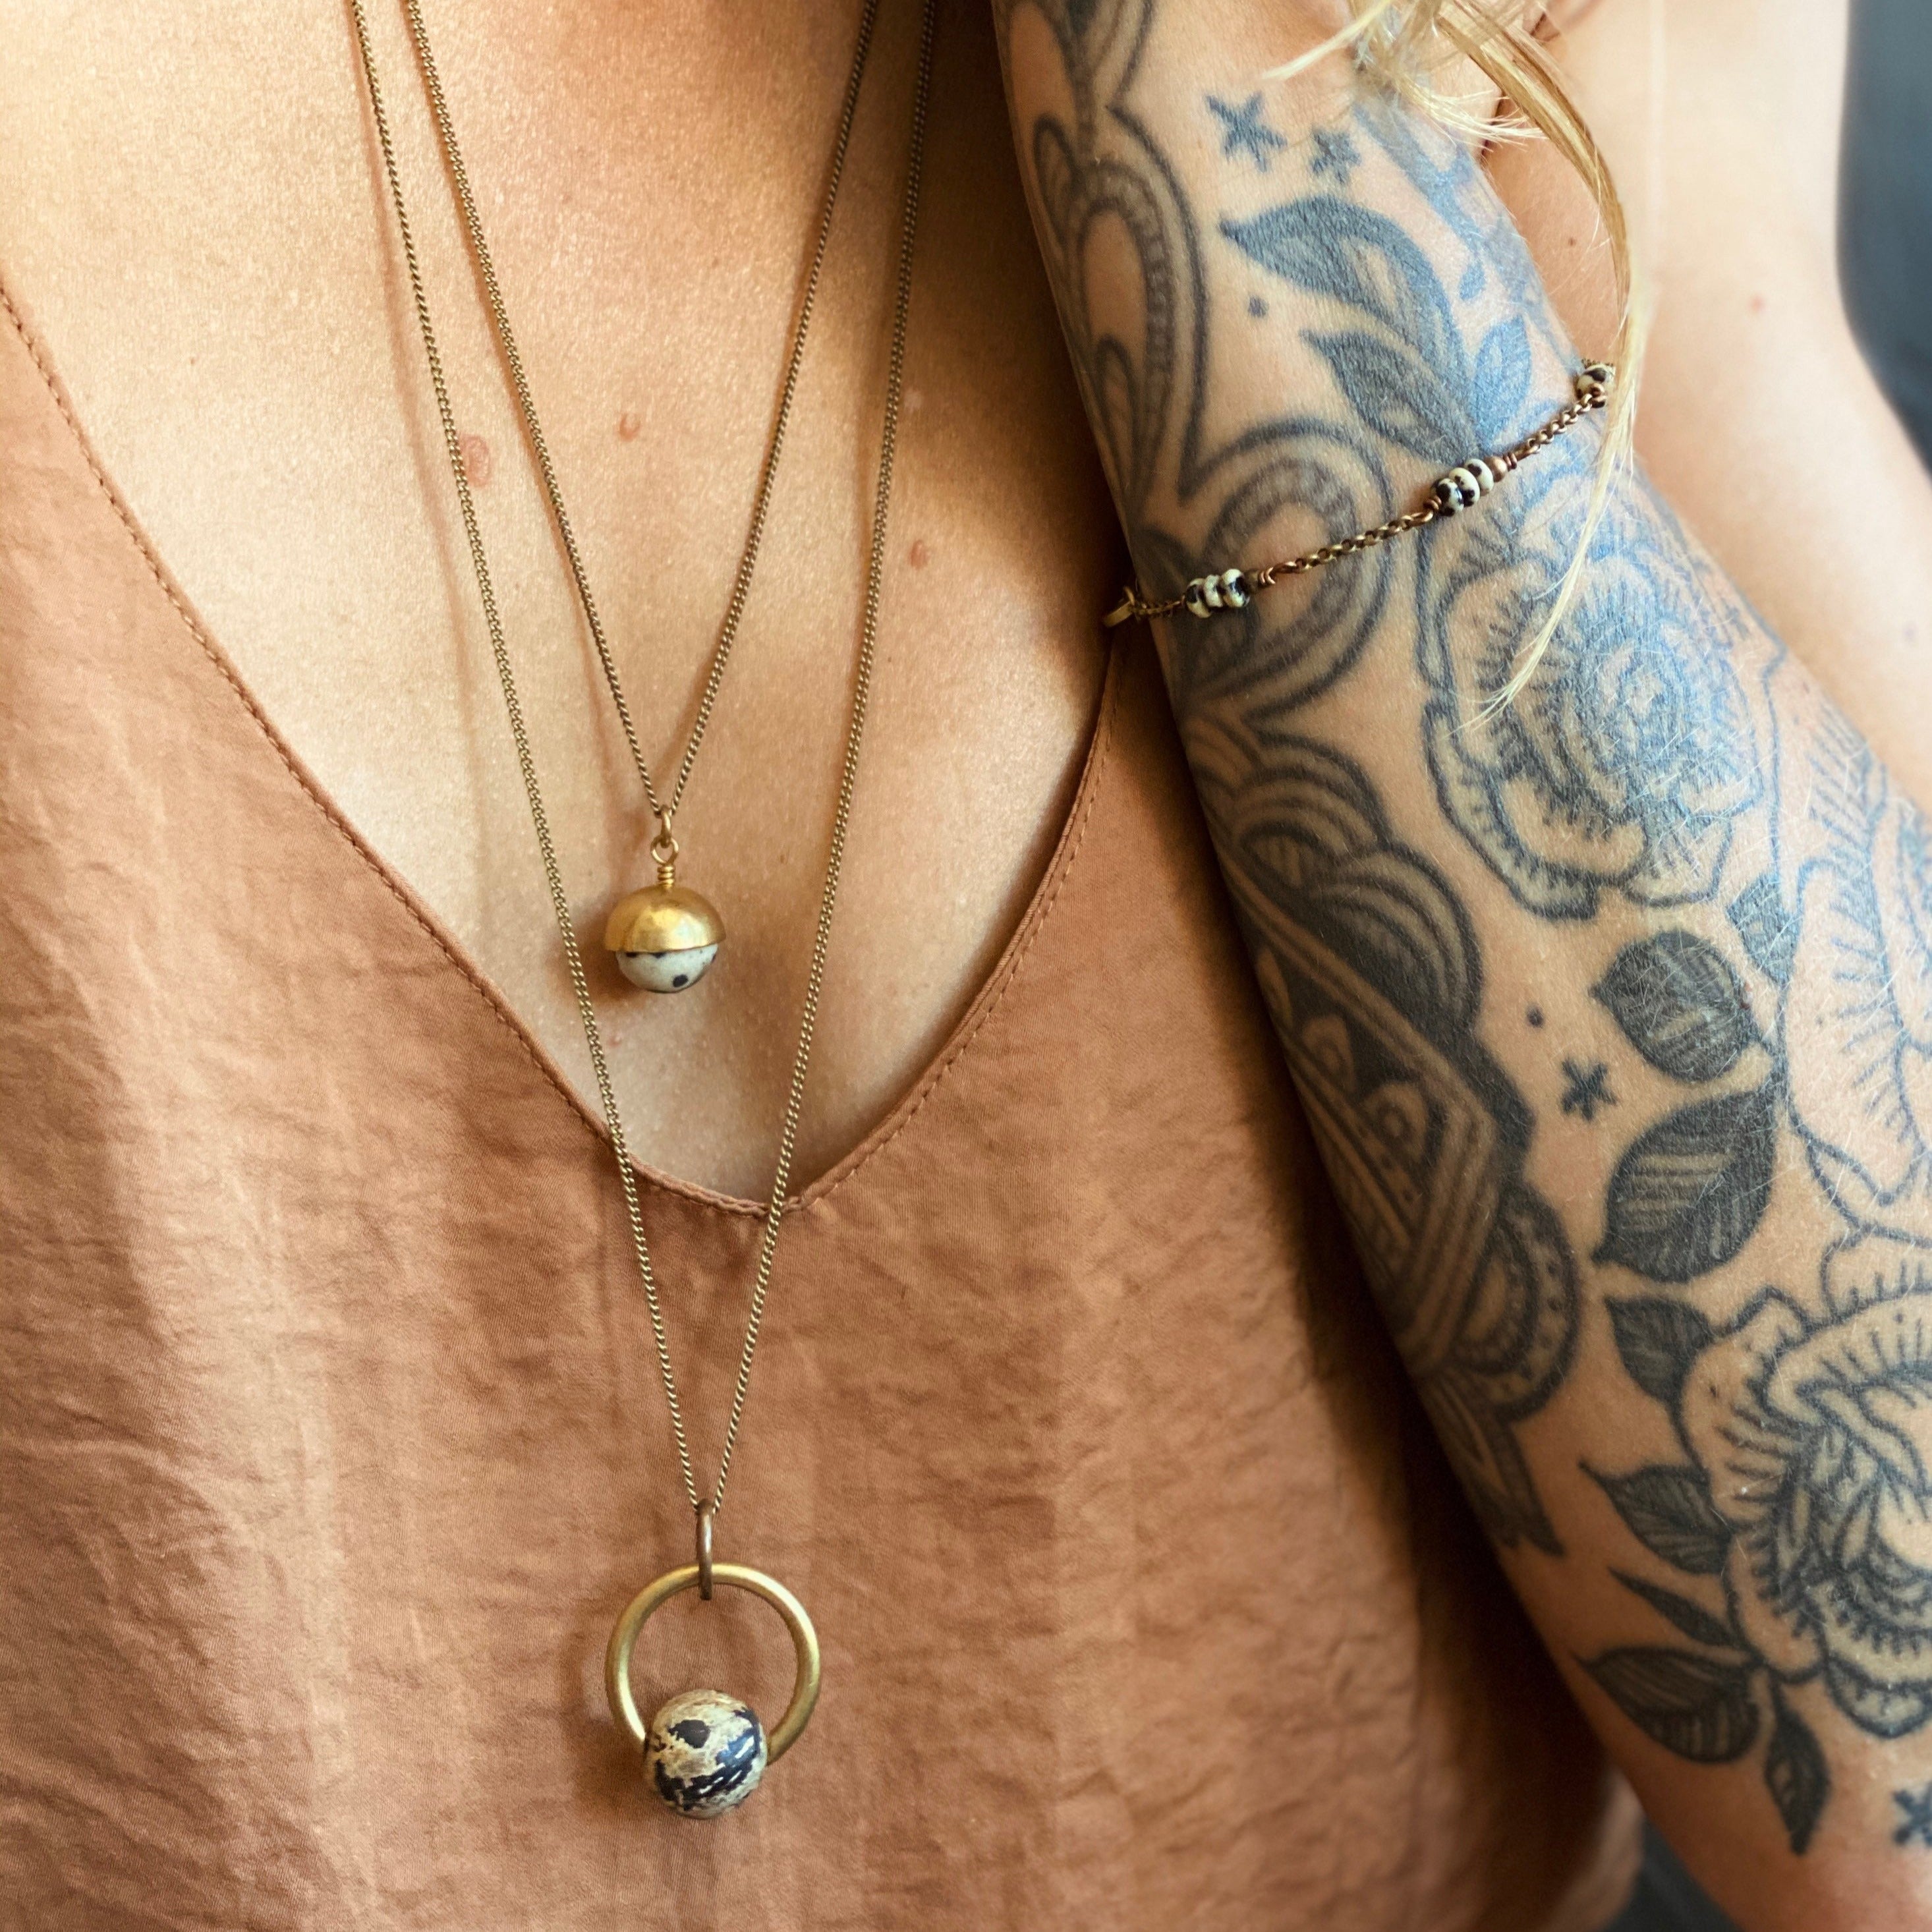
1467, 483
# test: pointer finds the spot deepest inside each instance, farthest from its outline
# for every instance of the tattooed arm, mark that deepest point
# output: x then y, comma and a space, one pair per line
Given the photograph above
1611, 1007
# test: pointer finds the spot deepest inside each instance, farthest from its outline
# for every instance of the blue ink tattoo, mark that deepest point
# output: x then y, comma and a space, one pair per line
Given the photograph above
1335, 154
1917, 1806
1662, 756
1588, 1088
1243, 131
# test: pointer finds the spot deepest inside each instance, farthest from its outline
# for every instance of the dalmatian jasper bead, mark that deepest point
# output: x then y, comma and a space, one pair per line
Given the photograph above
704, 1753
667, 972
665, 937
1224, 590
1593, 382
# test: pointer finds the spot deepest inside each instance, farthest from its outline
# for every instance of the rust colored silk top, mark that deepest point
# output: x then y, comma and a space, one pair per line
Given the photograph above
332, 1441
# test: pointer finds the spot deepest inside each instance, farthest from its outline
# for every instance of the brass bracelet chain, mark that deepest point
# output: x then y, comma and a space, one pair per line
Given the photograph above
1463, 486
527, 762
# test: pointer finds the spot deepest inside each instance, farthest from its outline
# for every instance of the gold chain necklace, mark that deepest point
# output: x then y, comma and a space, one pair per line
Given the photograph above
705, 1752
664, 936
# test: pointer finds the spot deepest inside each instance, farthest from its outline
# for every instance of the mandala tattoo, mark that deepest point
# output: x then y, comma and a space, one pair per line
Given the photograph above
1372, 968
1667, 810
1374, 979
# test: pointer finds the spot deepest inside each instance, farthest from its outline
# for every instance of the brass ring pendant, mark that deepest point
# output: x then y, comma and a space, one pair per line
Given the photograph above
655, 1594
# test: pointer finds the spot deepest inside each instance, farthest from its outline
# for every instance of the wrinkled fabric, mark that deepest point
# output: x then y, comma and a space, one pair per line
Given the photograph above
332, 1441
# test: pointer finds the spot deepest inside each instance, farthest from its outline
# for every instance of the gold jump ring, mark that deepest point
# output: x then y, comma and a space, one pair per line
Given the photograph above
707, 1517
655, 1595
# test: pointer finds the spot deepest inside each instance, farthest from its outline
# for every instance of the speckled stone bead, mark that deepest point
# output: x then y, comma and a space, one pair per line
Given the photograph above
704, 1753
667, 972
1593, 382
1466, 484
664, 936
1223, 590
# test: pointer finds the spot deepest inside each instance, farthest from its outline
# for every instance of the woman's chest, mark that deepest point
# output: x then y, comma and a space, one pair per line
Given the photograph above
224, 293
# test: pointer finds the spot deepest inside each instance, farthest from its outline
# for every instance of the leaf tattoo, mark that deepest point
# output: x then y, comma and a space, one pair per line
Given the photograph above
1680, 1005
1795, 1773
1690, 1191
1656, 1341
1667, 1508
1691, 1704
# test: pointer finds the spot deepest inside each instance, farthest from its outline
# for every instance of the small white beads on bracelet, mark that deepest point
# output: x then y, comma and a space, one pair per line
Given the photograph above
1227, 590
1464, 486
1467, 484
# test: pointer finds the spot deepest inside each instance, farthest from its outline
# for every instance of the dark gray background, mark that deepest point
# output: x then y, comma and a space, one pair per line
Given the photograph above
1885, 248
1885, 260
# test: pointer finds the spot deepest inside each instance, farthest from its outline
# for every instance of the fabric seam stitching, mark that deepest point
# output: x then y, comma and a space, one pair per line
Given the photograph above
212, 651
1022, 944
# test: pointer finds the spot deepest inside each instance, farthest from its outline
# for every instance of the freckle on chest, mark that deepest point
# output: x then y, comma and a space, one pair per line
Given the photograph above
478, 463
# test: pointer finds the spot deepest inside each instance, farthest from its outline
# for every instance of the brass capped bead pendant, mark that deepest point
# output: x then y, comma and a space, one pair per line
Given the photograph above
664, 936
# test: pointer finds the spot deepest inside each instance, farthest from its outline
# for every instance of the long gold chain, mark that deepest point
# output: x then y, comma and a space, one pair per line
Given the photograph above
527, 762
741, 585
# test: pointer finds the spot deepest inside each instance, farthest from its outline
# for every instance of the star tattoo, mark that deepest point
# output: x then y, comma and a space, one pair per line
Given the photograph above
1588, 1088
1335, 154
1243, 131
1917, 1806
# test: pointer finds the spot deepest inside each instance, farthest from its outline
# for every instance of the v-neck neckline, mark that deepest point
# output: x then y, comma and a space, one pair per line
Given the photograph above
895, 1118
